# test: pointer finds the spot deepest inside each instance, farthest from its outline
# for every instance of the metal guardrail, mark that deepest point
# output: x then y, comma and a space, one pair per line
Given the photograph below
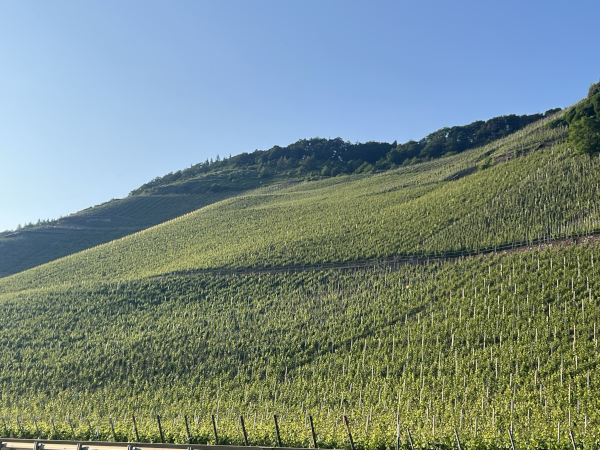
42, 444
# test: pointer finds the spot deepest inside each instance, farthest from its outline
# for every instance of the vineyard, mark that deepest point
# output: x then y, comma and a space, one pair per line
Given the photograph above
36, 245
428, 208
479, 345
233, 311
184, 191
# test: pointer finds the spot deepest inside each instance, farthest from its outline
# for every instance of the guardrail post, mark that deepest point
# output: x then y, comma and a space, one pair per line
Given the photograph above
312, 430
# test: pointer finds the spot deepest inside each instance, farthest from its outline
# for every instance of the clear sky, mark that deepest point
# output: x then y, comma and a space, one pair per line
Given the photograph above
98, 97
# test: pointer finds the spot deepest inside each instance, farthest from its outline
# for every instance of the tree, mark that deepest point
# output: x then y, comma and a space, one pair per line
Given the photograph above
584, 135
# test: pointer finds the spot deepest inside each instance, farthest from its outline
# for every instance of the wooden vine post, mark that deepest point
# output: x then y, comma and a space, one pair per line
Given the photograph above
187, 430
215, 430
312, 430
410, 439
277, 430
244, 430
349, 433
510, 435
457, 439
137, 436
162, 437
572, 436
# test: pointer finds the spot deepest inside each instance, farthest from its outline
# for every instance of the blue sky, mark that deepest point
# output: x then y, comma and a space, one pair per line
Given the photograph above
98, 97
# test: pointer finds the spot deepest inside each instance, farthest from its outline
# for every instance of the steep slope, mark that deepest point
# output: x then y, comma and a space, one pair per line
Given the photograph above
479, 345
426, 208
178, 193
33, 245
475, 345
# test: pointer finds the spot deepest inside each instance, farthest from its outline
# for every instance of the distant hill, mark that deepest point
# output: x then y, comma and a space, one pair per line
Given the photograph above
175, 194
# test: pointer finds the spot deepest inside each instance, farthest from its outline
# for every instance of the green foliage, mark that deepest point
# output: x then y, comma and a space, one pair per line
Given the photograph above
448, 141
487, 162
589, 107
584, 135
330, 157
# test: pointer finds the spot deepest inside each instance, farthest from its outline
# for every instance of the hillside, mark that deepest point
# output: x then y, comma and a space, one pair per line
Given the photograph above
147, 324
483, 197
475, 345
178, 193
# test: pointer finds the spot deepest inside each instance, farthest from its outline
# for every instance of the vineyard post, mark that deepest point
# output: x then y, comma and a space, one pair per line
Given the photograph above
410, 439
72, 430
90, 430
53, 426
457, 439
112, 427
572, 436
187, 429
558, 432
312, 430
397, 435
37, 430
510, 435
19, 426
215, 430
349, 433
160, 431
244, 430
277, 430
137, 436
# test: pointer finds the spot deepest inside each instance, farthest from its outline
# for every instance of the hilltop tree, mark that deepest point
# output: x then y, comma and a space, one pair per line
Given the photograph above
584, 135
